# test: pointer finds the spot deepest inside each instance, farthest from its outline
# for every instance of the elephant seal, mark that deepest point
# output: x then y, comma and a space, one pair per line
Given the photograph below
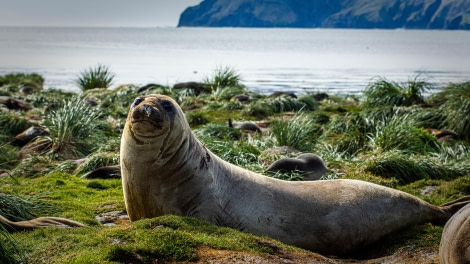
309, 165
245, 126
11, 226
105, 172
166, 170
455, 241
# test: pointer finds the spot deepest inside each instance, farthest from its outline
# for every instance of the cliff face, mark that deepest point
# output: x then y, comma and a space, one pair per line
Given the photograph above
422, 14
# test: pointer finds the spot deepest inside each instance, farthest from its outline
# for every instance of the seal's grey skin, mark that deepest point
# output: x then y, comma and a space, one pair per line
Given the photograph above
309, 165
166, 170
455, 242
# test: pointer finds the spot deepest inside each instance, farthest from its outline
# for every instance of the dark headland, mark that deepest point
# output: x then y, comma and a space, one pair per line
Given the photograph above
386, 14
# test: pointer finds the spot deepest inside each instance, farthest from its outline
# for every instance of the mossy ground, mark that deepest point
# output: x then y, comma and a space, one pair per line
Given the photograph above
356, 138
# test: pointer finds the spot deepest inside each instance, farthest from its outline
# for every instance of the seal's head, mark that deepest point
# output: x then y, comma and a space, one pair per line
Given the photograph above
150, 116
154, 122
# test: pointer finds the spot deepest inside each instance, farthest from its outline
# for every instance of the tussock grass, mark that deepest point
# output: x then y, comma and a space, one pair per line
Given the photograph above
8, 156
33, 166
71, 128
382, 92
98, 160
285, 104
454, 104
348, 133
239, 153
10, 253
12, 124
402, 132
223, 77
298, 132
99, 76
293, 176
15, 81
407, 169
196, 118
217, 131
16, 208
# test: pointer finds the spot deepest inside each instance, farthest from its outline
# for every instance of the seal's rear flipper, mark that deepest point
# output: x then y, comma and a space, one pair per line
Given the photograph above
37, 223
450, 209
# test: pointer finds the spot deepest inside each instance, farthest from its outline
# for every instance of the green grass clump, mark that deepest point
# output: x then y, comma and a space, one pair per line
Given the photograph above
223, 77
12, 124
71, 128
97, 77
218, 131
16, 208
98, 160
407, 169
347, 133
239, 153
33, 166
382, 93
15, 81
8, 156
196, 118
298, 132
454, 106
401, 132
10, 253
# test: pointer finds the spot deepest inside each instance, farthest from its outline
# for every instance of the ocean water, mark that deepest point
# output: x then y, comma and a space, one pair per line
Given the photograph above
342, 61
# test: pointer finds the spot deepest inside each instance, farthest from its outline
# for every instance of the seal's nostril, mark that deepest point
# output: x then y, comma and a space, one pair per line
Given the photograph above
148, 110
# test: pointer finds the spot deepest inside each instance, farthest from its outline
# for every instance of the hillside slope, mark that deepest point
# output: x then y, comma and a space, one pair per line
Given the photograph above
413, 14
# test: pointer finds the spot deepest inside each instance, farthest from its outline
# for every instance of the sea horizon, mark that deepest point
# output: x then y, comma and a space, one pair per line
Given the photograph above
268, 59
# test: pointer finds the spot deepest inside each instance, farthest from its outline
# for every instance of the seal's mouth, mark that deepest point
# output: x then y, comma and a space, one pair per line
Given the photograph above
146, 120
157, 125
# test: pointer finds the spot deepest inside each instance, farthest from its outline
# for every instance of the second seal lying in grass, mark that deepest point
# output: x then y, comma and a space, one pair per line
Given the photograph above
309, 165
455, 242
166, 170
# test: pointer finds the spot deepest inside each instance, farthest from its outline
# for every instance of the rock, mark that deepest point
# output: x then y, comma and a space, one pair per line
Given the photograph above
29, 134
39, 146
246, 126
197, 87
15, 104
242, 98
280, 93
443, 135
107, 172
112, 218
148, 87
320, 96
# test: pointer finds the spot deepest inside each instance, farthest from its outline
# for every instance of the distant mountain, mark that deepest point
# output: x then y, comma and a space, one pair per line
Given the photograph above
413, 14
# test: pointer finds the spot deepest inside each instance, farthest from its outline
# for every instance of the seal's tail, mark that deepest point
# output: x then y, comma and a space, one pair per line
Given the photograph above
37, 223
450, 208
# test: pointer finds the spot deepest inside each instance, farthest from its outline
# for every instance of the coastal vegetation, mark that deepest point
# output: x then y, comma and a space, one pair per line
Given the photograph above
409, 136
99, 76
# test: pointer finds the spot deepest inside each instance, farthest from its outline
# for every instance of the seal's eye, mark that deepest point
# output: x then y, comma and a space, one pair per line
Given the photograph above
137, 101
167, 105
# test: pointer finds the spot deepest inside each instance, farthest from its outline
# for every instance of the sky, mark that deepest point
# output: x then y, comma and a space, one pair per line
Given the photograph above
107, 13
